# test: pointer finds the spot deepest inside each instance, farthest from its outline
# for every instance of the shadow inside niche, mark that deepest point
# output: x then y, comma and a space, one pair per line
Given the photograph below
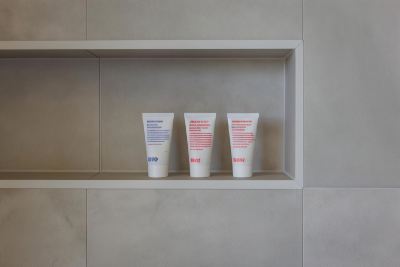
179, 154
268, 153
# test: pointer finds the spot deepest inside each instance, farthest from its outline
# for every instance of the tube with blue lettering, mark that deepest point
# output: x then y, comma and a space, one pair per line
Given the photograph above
158, 132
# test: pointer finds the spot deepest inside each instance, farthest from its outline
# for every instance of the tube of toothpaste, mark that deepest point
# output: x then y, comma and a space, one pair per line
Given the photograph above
200, 135
242, 132
158, 132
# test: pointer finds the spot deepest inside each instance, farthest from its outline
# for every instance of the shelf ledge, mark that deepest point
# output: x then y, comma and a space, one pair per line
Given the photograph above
141, 181
149, 48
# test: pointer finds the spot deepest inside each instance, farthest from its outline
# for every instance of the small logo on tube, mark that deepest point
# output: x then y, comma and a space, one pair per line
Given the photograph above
195, 160
152, 159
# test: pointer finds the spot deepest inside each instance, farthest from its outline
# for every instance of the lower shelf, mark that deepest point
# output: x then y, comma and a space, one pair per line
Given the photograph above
139, 180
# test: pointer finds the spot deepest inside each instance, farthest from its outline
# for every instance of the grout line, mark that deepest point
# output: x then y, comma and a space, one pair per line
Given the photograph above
283, 158
302, 19
351, 188
34, 171
86, 226
100, 119
302, 228
86, 12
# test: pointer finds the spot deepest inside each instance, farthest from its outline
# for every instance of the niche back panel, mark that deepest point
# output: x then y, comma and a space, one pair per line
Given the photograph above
132, 86
49, 115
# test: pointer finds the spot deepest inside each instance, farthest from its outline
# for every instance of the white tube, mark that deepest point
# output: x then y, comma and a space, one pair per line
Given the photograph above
158, 132
200, 136
242, 132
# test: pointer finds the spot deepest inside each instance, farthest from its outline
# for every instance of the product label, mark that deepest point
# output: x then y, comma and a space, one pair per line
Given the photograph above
200, 137
242, 131
242, 135
156, 133
200, 134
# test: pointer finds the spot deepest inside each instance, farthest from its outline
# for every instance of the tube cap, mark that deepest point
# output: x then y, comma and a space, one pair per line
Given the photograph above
157, 171
242, 170
199, 170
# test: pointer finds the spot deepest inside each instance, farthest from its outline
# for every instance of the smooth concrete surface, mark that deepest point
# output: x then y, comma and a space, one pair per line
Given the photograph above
42, 20
193, 19
194, 228
49, 118
351, 227
130, 87
49, 114
45, 228
352, 93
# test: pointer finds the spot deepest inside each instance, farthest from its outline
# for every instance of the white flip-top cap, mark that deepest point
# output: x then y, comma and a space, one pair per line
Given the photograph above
242, 170
199, 170
157, 171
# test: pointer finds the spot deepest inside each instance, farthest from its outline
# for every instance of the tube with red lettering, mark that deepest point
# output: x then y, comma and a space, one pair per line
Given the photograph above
242, 132
200, 135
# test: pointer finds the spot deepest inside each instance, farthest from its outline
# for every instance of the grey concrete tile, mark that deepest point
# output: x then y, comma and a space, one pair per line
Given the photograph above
351, 227
192, 19
194, 228
40, 227
42, 20
352, 96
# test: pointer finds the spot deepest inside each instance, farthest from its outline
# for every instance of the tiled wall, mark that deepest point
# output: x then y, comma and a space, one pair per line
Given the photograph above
347, 215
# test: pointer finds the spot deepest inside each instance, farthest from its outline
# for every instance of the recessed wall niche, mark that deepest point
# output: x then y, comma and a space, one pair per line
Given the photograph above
133, 77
